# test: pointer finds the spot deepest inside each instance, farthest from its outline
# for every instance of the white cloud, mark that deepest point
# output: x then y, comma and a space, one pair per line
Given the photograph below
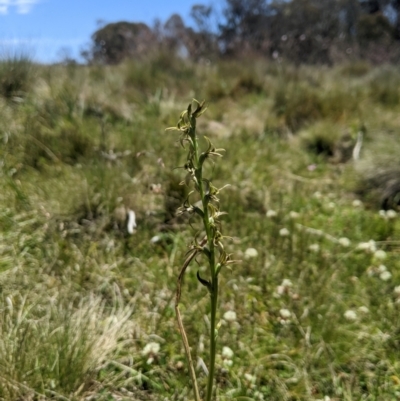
4, 4
42, 42
23, 6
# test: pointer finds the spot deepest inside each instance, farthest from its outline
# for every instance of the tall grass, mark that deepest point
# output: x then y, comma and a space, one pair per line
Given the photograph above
16, 75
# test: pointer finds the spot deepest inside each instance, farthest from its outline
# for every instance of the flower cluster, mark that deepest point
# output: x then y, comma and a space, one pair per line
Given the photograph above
208, 207
227, 355
151, 350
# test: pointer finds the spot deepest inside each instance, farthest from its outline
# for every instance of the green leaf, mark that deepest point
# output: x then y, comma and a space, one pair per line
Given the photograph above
206, 283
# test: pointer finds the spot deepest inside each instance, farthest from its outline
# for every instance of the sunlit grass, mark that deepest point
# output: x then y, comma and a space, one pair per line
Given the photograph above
86, 309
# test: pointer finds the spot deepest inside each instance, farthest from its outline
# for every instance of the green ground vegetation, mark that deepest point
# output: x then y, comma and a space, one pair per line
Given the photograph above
87, 309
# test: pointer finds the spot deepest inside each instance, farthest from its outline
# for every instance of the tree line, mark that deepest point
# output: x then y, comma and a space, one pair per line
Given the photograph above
300, 31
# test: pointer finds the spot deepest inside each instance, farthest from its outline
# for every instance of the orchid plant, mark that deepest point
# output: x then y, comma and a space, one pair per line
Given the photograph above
203, 202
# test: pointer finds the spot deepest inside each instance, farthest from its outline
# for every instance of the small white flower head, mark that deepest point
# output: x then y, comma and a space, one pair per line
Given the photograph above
317, 195
280, 290
250, 253
388, 214
331, 205
345, 242
369, 247
151, 349
380, 255
372, 245
230, 316
287, 283
227, 363
357, 203
285, 313
350, 315
363, 246
381, 268
397, 290
294, 215
314, 248
283, 288
250, 378
284, 232
385, 276
391, 214
227, 353
363, 309
271, 213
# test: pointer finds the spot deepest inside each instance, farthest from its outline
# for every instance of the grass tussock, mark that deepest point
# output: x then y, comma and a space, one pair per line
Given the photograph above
53, 348
86, 301
16, 76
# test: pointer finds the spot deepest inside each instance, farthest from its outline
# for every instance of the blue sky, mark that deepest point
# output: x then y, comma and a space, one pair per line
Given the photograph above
44, 27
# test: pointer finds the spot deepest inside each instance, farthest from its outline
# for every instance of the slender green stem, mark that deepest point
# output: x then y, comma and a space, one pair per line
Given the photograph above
211, 246
213, 338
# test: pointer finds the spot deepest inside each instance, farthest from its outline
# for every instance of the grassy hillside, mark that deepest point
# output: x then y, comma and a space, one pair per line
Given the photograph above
87, 309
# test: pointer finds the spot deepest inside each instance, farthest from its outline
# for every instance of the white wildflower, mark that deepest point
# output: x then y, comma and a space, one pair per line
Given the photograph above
294, 215
151, 349
285, 313
317, 195
357, 203
284, 287
350, 315
381, 268
363, 309
314, 248
250, 253
229, 316
363, 246
331, 205
380, 254
369, 246
397, 290
271, 213
372, 245
391, 214
250, 378
280, 290
284, 232
227, 353
228, 363
287, 283
388, 214
345, 242
385, 276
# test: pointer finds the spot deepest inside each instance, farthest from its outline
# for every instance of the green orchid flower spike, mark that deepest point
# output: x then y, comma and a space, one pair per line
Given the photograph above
211, 247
